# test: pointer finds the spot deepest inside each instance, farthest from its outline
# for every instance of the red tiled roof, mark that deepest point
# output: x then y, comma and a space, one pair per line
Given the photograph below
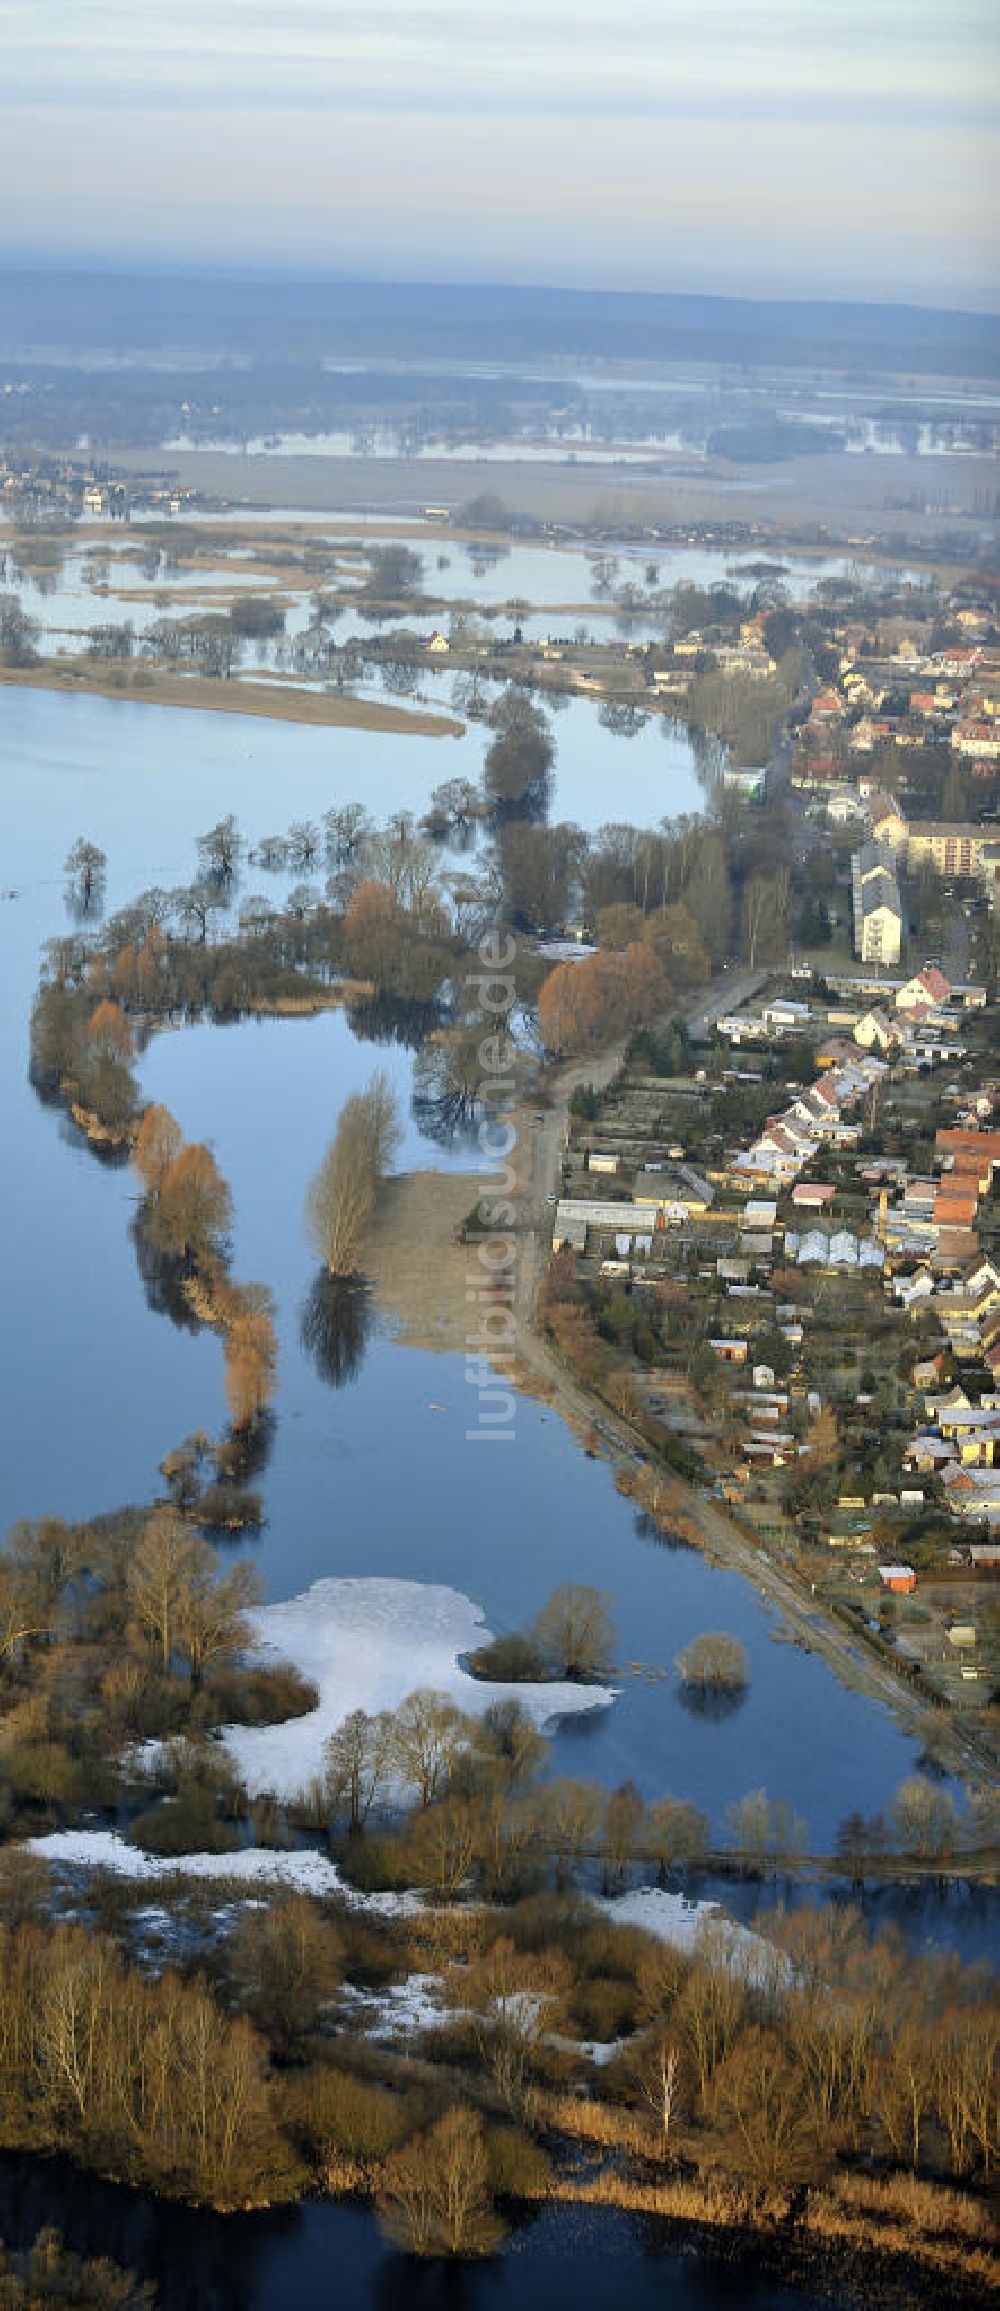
955, 1211
938, 987
981, 1147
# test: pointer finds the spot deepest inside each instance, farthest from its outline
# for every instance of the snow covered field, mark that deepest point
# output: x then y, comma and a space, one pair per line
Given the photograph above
366, 1644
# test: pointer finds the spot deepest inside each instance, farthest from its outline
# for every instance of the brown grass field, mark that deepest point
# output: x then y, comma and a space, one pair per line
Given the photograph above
148, 685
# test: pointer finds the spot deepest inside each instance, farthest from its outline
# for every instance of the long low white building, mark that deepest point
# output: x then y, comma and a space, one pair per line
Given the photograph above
575, 1215
841, 1249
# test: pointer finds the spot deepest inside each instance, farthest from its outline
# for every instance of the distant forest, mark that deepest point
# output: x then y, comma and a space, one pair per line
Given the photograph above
48, 313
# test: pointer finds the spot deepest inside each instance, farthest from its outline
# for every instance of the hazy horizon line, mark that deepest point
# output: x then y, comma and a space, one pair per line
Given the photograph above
111, 265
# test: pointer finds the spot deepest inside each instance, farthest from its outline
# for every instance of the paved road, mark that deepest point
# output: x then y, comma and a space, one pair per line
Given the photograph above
541, 1140
726, 993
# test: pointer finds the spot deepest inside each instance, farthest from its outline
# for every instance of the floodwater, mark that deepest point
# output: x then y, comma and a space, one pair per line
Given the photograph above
328, 2255
562, 584
379, 1476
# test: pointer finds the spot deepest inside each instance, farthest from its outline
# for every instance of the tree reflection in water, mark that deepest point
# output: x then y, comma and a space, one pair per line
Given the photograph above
163, 1278
393, 1019
649, 1528
335, 1326
713, 1703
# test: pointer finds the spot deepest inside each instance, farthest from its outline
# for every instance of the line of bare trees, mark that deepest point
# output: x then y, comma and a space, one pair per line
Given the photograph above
762, 2079
146, 2080
770, 2067
448, 1801
185, 1218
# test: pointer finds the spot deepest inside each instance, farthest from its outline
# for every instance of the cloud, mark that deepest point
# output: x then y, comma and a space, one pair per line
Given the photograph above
811, 140
560, 54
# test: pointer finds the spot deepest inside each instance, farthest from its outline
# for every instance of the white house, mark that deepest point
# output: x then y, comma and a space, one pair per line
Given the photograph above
928, 990
876, 1031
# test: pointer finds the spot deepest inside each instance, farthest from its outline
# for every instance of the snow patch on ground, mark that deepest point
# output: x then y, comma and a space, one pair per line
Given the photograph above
305, 1872
671, 1917
598, 2051
409, 2006
366, 1644
690, 1925
420, 2002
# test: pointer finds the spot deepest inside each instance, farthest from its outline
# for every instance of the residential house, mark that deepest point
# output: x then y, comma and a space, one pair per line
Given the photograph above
760, 1213
576, 1215
973, 1494
876, 1031
844, 806
901, 1579
928, 989
912, 1291
978, 1152
977, 741
975, 1435
887, 822
928, 1453
677, 1192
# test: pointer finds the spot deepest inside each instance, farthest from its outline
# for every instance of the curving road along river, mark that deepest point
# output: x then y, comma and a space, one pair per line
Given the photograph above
541, 1140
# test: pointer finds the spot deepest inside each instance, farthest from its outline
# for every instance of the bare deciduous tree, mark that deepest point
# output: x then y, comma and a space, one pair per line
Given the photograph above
435, 2199
659, 2075
341, 1198
158, 1144
357, 1759
575, 1632
158, 1578
714, 1659
429, 1732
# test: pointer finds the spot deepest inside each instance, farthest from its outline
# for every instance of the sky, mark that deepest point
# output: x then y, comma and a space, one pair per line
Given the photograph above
843, 148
